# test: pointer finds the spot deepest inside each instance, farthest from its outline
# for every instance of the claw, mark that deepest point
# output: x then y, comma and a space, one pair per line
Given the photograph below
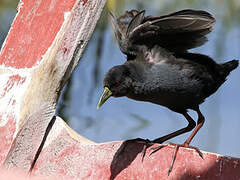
196, 149
144, 152
173, 159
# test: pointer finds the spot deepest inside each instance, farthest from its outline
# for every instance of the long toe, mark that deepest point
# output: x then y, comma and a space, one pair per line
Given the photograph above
189, 147
157, 148
177, 146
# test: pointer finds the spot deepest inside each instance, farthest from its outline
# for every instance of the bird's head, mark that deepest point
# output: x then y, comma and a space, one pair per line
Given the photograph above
117, 83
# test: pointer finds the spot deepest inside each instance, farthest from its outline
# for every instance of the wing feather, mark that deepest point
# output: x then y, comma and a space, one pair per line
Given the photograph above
177, 32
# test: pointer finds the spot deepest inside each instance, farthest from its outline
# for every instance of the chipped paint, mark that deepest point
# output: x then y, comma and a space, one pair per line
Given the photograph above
55, 44
7, 135
26, 49
99, 161
11, 94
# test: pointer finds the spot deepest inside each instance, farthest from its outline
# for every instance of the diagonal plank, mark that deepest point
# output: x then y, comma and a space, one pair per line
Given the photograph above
43, 46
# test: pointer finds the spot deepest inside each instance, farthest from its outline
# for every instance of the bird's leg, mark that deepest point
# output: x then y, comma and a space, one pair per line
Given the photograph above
147, 143
200, 123
190, 126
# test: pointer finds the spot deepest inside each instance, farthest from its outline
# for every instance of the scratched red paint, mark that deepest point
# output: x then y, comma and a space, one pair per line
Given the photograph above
79, 160
13, 80
33, 31
7, 131
6, 135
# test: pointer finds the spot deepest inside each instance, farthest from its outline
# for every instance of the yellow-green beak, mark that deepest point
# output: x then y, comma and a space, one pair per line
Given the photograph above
106, 94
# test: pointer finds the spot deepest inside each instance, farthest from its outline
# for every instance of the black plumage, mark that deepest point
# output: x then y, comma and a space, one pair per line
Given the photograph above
176, 32
159, 68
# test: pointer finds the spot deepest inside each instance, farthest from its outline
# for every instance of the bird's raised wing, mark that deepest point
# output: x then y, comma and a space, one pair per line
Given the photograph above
123, 26
177, 32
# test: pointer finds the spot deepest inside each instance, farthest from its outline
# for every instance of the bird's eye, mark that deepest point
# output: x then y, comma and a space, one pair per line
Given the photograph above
117, 83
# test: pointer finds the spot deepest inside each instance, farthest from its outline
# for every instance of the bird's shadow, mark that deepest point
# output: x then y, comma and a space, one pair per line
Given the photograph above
125, 155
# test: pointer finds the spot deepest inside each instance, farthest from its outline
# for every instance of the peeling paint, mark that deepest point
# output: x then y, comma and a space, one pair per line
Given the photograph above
28, 44
55, 43
13, 80
10, 96
7, 135
67, 16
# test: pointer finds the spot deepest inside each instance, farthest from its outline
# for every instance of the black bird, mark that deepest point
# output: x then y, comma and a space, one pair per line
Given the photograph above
159, 68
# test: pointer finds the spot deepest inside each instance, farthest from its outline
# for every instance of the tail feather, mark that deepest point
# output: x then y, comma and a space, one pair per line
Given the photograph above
228, 67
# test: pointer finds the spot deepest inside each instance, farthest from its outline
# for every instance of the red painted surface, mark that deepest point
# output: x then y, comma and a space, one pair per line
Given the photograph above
6, 135
13, 80
25, 46
74, 159
19, 175
8, 97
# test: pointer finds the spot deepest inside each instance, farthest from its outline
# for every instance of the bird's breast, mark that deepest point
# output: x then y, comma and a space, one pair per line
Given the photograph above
169, 87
